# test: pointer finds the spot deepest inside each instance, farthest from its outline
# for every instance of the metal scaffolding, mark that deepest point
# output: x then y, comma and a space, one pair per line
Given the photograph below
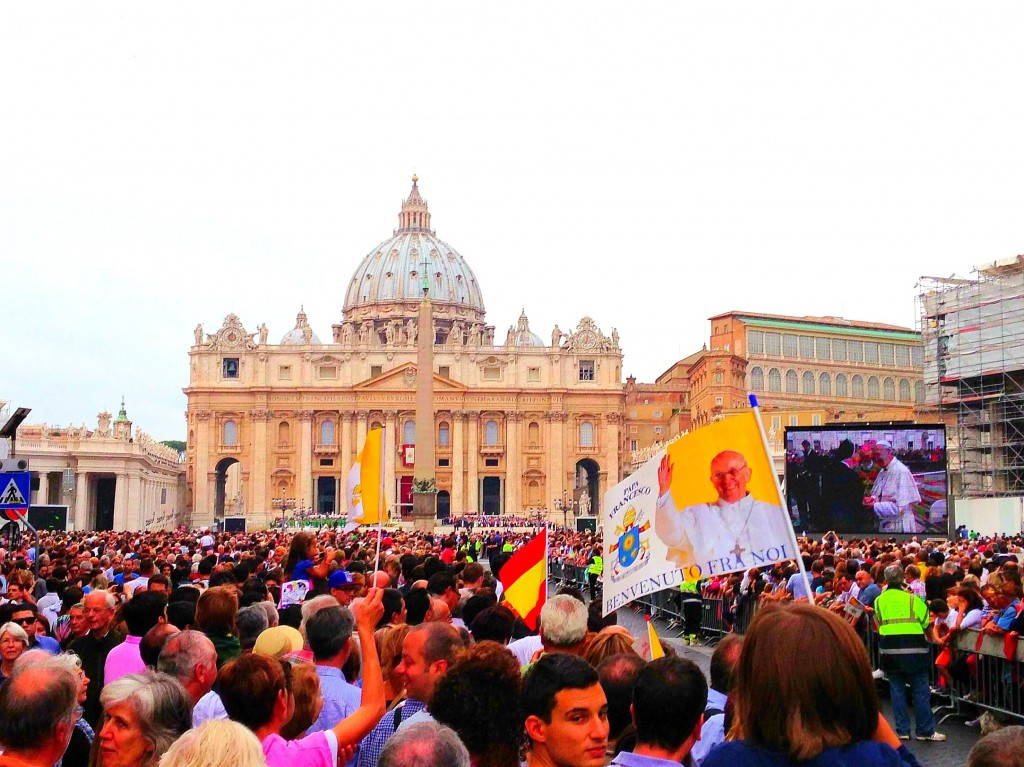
973, 335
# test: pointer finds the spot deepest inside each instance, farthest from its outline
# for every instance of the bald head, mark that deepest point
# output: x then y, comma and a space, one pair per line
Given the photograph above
37, 708
380, 580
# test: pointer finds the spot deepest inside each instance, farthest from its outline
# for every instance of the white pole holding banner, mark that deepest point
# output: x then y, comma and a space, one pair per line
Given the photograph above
382, 505
782, 500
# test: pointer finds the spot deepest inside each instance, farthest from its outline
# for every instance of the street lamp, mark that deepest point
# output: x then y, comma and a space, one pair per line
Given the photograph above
564, 505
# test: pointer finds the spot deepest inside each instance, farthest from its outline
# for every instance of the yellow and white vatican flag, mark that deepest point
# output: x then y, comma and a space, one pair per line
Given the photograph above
364, 486
709, 503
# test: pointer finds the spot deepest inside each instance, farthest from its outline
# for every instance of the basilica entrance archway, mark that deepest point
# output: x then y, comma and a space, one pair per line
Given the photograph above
229, 488
587, 487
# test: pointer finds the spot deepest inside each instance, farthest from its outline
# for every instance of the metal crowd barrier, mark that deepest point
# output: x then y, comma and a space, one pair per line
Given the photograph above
991, 681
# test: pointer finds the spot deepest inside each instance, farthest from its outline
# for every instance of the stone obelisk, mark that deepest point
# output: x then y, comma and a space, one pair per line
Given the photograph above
424, 504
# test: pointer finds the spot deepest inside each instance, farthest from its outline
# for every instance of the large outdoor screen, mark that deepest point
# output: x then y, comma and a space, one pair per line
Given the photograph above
835, 478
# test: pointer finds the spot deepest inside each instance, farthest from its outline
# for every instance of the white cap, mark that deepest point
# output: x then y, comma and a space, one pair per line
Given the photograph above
886, 445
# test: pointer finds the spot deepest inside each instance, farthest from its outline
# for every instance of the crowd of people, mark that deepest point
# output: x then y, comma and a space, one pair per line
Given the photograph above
276, 648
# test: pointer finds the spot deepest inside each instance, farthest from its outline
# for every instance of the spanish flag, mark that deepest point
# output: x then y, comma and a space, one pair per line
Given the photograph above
525, 579
364, 486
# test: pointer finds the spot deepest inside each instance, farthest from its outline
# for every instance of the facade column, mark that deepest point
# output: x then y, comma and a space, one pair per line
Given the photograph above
473, 461
361, 428
82, 502
211, 489
135, 517
345, 446
202, 499
121, 503
557, 452
305, 484
390, 446
259, 502
513, 468
458, 505
43, 493
612, 440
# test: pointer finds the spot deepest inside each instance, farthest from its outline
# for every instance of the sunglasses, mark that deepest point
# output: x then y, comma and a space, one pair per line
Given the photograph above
23, 621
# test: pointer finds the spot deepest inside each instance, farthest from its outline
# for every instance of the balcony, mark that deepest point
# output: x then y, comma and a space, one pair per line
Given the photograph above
325, 449
229, 449
589, 450
492, 450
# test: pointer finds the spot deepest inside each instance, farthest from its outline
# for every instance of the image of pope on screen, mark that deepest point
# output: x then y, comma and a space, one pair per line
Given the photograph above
731, 532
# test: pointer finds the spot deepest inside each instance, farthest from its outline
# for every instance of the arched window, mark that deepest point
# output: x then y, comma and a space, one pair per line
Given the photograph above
873, 387
408, 432
858, 387
230, 434
825, 384
792, 382
774, 380
808, 382
533, 492
586, 434
376, 425
889, 389
327, 433
284, 434
533, 434
841, 389
756, 379
491, 433
918, 391
443, 434
904, 390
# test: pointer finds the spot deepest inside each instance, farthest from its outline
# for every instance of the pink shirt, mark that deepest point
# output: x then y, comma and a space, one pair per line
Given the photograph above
124, 659
317, 750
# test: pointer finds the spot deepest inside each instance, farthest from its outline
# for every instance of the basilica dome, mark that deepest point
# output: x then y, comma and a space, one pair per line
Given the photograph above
393, 272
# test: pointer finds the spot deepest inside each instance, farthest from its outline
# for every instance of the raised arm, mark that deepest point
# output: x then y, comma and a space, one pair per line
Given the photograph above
356, 725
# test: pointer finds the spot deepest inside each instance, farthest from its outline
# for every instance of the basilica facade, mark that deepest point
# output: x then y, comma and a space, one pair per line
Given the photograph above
522, 423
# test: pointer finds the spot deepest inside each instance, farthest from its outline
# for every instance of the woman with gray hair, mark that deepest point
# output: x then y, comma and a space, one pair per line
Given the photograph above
13, 642
143, 714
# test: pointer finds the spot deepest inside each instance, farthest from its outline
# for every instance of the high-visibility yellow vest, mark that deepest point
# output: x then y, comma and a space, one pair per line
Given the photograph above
597, 566
900, 613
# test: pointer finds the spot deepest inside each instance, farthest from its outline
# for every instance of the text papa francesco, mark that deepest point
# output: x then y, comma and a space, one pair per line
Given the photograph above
694, 573
633, 491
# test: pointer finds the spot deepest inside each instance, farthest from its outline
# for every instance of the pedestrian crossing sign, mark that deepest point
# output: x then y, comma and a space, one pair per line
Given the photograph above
14, 491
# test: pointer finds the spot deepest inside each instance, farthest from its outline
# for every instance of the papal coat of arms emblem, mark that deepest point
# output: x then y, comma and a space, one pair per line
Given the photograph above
631, 545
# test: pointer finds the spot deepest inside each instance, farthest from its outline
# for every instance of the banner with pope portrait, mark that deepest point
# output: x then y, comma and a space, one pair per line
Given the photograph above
705, 505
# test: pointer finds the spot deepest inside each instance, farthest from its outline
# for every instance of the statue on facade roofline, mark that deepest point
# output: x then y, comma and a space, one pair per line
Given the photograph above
199, 334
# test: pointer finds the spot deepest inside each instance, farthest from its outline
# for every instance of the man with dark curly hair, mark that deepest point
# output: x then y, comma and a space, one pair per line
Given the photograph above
479, 699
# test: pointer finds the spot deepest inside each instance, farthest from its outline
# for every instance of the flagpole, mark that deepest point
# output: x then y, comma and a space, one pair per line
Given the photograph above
782, 500
382, 506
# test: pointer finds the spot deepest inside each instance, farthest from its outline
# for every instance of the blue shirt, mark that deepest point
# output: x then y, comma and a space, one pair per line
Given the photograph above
1007, 616
629, 759
340, 698
45, 643
869, 594
738, 753
373, 744
712, 733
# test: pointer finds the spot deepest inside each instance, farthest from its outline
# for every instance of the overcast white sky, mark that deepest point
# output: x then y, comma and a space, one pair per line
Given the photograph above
648, 164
